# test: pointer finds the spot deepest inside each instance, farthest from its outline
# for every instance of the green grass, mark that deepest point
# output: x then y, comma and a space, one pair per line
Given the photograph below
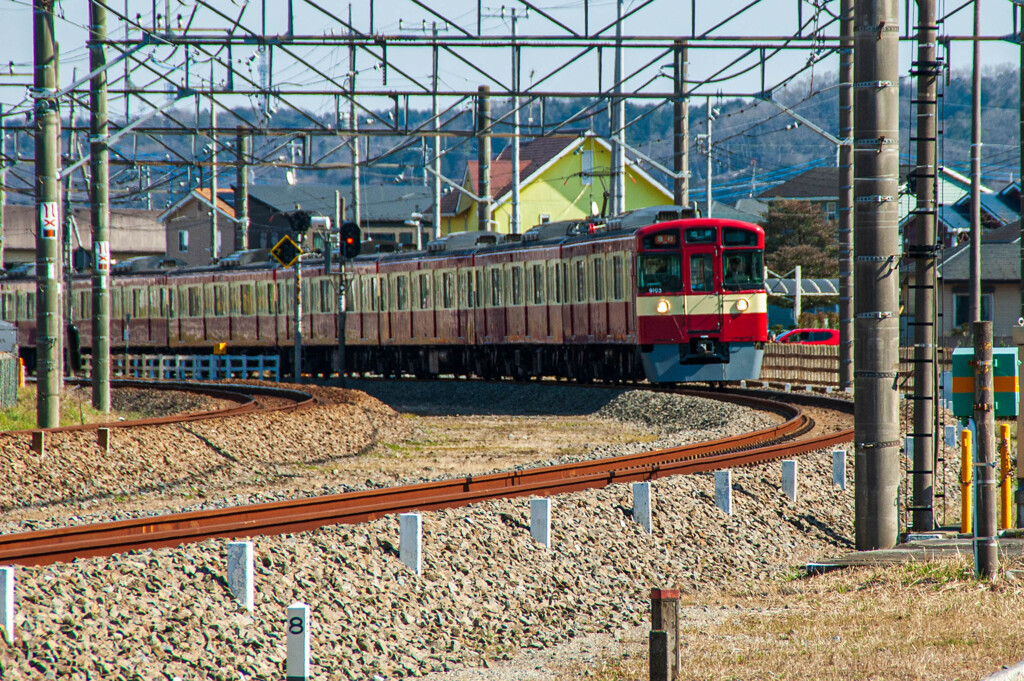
75, 408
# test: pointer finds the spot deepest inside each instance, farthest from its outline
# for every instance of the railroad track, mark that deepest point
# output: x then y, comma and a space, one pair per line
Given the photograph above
65, 544
243, 395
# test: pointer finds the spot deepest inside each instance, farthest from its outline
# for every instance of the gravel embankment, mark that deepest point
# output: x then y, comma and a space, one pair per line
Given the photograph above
487, 590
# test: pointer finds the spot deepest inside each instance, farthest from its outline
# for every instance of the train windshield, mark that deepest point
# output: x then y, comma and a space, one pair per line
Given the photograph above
659, 273
742, 270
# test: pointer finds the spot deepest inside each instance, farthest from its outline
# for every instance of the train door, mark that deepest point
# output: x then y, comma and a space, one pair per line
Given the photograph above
702, 300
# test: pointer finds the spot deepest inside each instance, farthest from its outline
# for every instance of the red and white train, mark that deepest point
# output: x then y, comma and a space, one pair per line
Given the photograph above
649, 294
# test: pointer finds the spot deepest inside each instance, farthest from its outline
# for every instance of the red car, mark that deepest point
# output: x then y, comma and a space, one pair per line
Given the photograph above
811, 337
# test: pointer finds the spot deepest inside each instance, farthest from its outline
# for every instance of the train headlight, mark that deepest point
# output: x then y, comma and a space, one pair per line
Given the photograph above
742, 304
663, 306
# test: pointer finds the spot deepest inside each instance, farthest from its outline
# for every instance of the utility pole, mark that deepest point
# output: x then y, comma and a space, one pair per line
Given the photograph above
680, 127
483, 154
618, 121
516, 226
986, 550
3, 180
297, 347
846, 195
437, 143
99, 189
241, 189
1019, 496
214, 231
353, 122
922, 250
710, 118
47, 162
876, 269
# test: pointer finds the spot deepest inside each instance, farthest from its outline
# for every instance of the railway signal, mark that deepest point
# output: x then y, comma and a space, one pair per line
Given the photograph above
350, 237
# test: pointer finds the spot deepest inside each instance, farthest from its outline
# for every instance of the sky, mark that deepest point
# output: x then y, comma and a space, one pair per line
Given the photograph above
664, 18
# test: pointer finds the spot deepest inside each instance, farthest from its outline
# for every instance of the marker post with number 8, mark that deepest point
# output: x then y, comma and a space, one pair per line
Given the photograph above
297, 628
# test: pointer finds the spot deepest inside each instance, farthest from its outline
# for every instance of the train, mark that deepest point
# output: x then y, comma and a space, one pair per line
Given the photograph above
656, 293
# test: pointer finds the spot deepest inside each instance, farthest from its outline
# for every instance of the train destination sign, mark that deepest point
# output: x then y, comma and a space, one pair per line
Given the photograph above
286, 251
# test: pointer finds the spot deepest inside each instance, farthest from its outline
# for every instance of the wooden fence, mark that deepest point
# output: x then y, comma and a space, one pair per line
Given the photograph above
820, 364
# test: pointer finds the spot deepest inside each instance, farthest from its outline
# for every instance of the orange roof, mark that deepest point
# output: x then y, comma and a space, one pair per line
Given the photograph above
222, 205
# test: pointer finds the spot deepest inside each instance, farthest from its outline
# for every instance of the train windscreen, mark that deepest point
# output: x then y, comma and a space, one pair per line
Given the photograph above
742, 269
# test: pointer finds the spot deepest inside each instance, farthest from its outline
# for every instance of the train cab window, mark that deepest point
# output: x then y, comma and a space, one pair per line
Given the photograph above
664, 239
658, 273
742, 269
517, 284
598, 265
701, 273
618, 292
733, 236
701, 235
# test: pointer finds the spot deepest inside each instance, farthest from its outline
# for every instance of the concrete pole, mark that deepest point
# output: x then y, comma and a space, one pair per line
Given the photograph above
516, 226
297, 320
876, 270
99, 190
214, 230
437, 145
986, 549
47, 194
846, 195
975, 261
708, 170
798, 294
241, 189
3, 181
353, 121
483, 131
921, 249
680, 126
1019, 497
618, 121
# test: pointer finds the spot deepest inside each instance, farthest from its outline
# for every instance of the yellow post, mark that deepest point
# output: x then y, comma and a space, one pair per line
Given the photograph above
21, 373
1005, 481
966, 486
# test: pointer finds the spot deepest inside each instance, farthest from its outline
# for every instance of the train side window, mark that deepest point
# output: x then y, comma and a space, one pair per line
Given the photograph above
385, 293
517, 284
352, 293
566, 294
220, 300
538, 284
284, 299
462, 294
618, 292
10, 307
581, 282
311, 295
168, 294
477, 287
448, 290
246, 295
424, 297
115, 303
496, 286
598, 268
326, 299
236, 299
402, 292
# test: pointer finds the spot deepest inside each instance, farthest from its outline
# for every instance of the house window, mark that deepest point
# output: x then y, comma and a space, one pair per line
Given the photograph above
962, 309
544, 218
830, 210
182, 241
587, 168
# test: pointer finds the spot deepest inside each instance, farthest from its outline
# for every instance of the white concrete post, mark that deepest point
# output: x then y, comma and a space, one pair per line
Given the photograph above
540, 521
7, 602
723, 490
788, 387
950, 436
789, 485
642, 504
839, 468
297, 665
410, 543
240, 579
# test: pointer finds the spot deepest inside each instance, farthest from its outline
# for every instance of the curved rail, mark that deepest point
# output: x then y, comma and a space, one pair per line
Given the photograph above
299, 515
241, 394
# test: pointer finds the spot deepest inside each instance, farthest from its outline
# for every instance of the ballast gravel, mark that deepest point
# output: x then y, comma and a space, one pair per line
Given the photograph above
486, 592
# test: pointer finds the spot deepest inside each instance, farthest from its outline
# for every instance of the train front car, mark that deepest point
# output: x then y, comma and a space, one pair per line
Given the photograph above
702, 309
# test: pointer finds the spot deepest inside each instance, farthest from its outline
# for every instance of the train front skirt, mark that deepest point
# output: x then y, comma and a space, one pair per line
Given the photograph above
678, 363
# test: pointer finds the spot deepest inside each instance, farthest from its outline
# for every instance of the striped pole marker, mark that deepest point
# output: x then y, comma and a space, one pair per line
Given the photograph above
297, 666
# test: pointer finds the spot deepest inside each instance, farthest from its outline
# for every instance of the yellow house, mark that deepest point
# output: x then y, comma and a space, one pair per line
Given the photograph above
561, 178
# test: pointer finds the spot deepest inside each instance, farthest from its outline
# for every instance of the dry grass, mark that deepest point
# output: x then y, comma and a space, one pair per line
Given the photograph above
917, 621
